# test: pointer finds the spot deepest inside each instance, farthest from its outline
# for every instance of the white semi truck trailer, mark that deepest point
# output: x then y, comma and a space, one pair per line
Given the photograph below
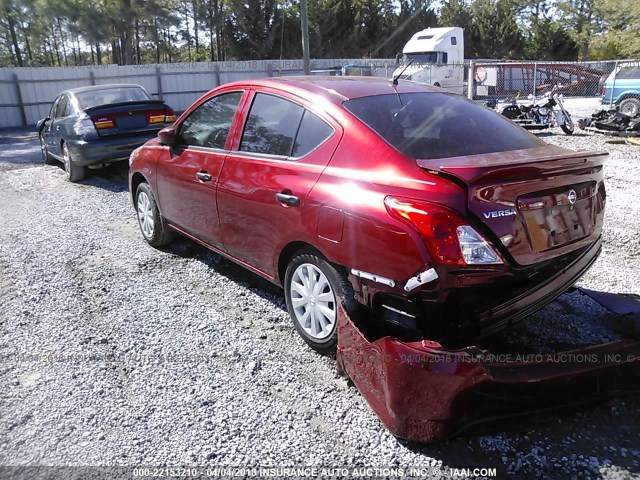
437, 58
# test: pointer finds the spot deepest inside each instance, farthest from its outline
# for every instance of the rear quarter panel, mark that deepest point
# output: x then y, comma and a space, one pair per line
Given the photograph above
363, 171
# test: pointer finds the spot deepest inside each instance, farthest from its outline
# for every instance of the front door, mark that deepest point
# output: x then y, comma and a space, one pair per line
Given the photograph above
188, 173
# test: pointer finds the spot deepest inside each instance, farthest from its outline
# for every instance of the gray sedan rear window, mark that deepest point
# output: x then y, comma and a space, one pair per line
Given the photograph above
438, 125
107, 96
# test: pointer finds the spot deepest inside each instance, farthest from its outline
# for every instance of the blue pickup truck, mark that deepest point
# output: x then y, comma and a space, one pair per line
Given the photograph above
622, 88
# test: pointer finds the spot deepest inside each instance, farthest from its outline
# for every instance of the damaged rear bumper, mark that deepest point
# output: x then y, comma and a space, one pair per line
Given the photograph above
424, 392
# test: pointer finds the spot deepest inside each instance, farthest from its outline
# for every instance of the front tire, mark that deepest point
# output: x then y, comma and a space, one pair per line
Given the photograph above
153, 226
567, 127
313, 288
74, 172
48, 159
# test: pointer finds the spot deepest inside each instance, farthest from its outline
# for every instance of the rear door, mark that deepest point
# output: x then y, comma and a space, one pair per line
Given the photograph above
187, 174
263, 187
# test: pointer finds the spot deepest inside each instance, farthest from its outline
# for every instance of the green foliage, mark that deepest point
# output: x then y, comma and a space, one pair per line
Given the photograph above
547, 40
81, 32
494, 32
622, 29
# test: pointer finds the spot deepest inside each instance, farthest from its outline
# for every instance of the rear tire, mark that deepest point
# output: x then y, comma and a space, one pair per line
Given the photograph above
75, 172
313, 287
152, 225
48, 159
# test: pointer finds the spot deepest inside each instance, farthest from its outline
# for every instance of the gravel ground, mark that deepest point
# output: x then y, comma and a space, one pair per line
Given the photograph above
114, 353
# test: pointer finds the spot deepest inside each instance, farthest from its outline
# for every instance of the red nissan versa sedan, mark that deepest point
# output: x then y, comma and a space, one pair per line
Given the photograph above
442, 217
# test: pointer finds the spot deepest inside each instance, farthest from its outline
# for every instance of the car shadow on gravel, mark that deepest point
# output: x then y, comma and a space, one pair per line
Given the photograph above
185, 248
113, 178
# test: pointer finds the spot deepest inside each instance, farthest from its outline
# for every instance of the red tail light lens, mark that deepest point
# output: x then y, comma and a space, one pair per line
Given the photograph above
436, 225
448, 238
103, 121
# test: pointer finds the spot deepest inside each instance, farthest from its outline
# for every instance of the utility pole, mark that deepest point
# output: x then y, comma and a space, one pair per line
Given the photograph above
304, 24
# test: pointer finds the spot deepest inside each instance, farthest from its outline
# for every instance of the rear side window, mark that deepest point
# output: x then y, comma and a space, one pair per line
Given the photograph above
209, 124
272, 125
438, 125
313, 131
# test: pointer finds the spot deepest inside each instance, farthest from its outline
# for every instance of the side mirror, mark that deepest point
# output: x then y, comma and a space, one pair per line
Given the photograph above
167, 136
398, 59
40, 124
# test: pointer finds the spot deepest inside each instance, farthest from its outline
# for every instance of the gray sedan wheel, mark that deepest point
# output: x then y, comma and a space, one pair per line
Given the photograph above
75, 172
48, 159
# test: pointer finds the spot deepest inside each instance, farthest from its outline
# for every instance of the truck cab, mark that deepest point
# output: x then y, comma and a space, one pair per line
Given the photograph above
622, 88
436, 56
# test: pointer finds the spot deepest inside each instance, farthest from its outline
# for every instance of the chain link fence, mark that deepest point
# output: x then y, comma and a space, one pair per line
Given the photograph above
503, 80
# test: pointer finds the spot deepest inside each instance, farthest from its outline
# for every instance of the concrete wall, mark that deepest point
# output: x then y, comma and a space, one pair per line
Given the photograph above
26, 94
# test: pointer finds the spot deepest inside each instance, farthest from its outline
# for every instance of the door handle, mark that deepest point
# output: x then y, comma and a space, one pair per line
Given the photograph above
204, 176
286, 199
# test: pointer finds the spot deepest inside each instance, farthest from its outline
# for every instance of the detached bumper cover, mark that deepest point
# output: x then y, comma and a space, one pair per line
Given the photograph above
423, 392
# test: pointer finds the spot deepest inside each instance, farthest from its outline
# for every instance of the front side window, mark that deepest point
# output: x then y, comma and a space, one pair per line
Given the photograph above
438, 125
54, 107
209, 124
272, 125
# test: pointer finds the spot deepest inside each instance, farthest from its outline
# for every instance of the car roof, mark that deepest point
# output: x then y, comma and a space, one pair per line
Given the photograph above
106, 86
338, 89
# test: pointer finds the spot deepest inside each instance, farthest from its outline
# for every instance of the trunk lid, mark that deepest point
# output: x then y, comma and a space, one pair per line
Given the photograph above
130, 117
539, 203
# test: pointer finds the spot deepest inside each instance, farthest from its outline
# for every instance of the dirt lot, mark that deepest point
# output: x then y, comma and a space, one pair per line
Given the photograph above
113, 353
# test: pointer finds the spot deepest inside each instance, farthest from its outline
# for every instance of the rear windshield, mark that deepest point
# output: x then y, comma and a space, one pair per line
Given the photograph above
437, 125
108, 96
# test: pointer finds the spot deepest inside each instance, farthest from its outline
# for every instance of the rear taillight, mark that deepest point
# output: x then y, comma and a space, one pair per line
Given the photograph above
448, 238
165, 115
104, 121
169, 115
155, 116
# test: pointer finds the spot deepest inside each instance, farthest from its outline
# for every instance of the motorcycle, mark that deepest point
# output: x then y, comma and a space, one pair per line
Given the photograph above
538, 116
